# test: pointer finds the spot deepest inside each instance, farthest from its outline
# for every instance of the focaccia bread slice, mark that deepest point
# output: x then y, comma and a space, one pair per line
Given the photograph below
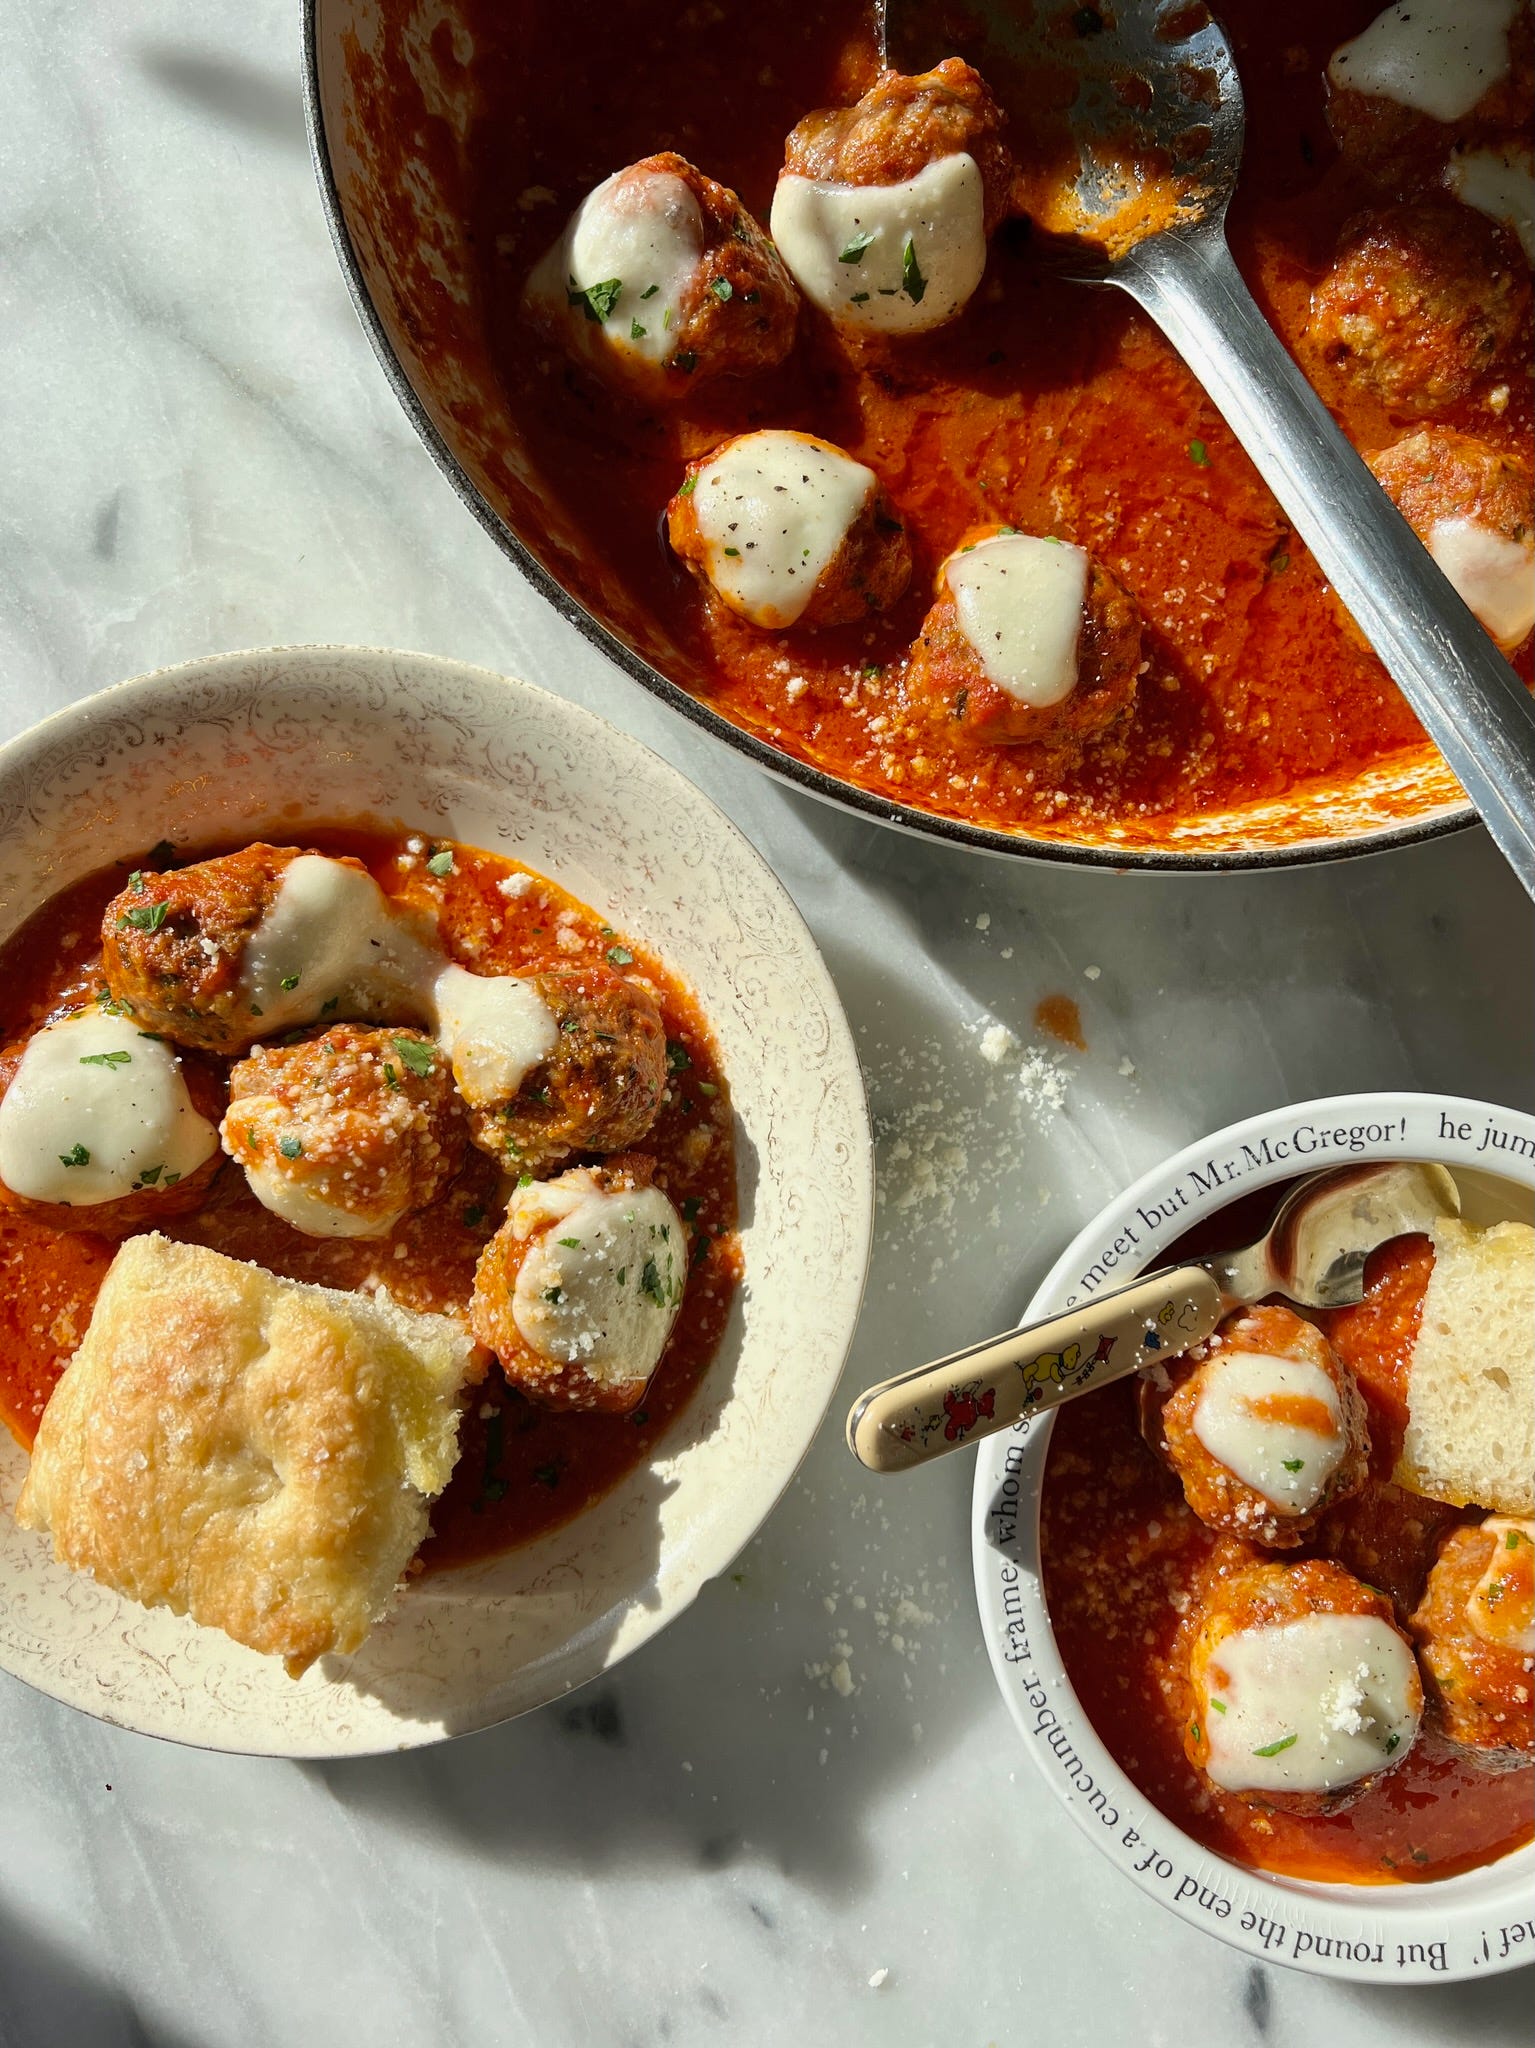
1470, 1434
247, 1450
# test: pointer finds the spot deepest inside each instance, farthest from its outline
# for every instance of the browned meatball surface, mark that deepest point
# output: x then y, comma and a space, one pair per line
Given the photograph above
1437, 475
1401, 150
579, 1289
1421, 304
902, 124
172, 944
1266, 1394
344, 1134
1475, 1627
1275, 1695
946, 677
735, 314
599, 1090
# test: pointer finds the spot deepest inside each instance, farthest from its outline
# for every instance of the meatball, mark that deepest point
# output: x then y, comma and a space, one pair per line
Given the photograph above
1475, 1627
172, 944
1303, 1689
598, 1091
1420, 304
228, 951
344, 1134
1264, 1427
579, 1289
883, 209
663, 280
1031, 640
103, 1127
1474, 510
1423, 79
787, 530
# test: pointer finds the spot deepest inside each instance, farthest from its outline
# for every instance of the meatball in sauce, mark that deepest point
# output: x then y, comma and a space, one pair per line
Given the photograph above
1475, 1627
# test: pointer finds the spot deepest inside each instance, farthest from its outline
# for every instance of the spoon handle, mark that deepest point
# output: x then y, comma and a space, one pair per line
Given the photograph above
991, 1385
1468, 699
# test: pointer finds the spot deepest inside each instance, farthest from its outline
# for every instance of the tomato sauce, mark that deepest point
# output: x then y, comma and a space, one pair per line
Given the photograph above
522, 1469
1052, 406
1121, 1550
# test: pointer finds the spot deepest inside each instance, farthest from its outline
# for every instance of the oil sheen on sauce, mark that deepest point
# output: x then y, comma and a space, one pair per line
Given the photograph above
522, 1469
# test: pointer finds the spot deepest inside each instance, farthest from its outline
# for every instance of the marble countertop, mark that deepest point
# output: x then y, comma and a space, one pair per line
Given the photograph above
716, 1842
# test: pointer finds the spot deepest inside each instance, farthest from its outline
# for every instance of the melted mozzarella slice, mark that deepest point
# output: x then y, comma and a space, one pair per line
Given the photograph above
1276, 1423
305, 1208
1019, 600
1501, 1610
772, 510
626, 263
1495, 575
1500, 183
602, 1282
98, 1110
331, 936
495, 1029
1310, 1706
1436, 56
894, 259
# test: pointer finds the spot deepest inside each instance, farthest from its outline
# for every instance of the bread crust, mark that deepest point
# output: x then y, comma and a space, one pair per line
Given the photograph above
252, 1452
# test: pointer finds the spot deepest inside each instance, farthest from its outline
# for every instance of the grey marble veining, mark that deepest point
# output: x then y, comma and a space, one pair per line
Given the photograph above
715, 1843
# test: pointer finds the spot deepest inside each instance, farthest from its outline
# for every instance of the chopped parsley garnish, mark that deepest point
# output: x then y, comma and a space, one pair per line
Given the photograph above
75, 1156
524, 1180
701, 1244
597, 300
136, 882
623, 1274
146, 917
913, 283
554, 1294
690, 1209
1511, 1541
678, 1058
871, 669
1194, 1730
722, 288
1419, 1855
1393, 1742
105, 1059
687, 362
639, 1418
650, 1284
1293, 1464
291, 1148
687, 487
1199, 454
736, 552
441, 863
859, 299
650, 291
150, 1175
636, 331
327, 1007
391, 1078
708, 1088
419, 1057
1279, 563
547, 1475
571, 1244
856, 244
1219, 1706
474, 1215
289, 981
108, 1005
620, 956
1274, 1748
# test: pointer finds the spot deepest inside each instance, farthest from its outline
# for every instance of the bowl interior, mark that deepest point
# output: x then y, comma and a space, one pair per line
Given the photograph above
247, 745
1383, 1933
390, 111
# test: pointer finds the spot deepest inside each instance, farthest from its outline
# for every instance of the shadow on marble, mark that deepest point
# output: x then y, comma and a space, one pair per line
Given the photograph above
1492, 2013
264, 104
48, 1999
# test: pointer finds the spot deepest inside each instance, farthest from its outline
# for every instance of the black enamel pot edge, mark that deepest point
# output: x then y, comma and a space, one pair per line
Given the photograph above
799, 775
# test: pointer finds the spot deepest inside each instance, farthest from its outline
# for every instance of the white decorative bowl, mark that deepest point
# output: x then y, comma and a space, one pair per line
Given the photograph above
1471, 1925
243, 745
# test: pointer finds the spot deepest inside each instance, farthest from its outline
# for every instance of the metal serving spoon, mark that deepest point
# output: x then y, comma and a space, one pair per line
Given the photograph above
1158, 110
1313, 1253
